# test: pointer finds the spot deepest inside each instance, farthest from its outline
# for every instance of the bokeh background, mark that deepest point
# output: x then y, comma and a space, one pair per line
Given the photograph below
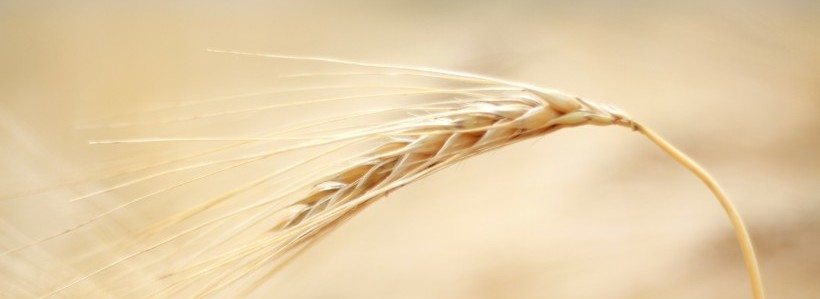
583, 213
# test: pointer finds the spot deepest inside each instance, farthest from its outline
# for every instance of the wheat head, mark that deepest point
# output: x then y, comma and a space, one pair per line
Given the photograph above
436, 136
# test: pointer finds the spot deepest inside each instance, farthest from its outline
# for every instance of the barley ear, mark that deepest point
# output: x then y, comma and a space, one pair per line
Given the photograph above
742, 235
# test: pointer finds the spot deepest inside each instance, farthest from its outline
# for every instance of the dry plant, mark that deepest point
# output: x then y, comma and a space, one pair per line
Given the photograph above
228, 246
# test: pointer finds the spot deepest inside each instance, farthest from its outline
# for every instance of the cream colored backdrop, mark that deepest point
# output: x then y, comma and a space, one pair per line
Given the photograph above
584, 213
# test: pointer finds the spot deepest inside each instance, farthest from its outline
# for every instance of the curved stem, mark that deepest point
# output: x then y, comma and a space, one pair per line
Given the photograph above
742, 235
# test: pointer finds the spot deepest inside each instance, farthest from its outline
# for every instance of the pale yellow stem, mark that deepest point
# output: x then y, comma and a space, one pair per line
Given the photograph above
742, 235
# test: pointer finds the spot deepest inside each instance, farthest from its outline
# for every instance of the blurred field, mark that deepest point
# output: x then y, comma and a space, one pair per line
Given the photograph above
584, 213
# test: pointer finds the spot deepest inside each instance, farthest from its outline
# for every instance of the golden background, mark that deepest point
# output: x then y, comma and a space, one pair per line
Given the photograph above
583, 213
